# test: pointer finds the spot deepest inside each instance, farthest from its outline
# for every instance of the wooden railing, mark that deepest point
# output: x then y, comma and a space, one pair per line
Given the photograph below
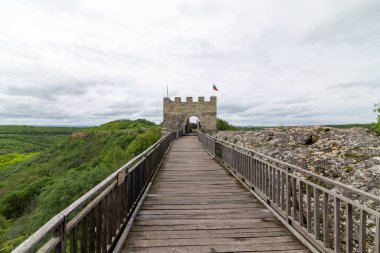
326, 215
94, 222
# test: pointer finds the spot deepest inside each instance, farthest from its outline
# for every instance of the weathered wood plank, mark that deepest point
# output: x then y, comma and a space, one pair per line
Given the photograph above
194, 205
154, 235
279, 247
200, 206
215, 241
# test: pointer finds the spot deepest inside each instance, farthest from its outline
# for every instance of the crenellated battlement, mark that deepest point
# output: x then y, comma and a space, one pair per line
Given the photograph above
190, 100
178, 111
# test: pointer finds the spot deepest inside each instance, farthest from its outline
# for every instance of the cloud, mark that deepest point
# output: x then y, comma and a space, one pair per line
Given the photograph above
355, 23
88, 62
372, 84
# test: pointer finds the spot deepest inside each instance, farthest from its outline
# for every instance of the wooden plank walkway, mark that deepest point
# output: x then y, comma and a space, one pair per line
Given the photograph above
195, 205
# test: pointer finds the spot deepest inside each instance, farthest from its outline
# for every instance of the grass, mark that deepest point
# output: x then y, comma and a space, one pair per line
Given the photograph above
121, 125
223, 125
350, 126
31, 139
35, 130
14, 158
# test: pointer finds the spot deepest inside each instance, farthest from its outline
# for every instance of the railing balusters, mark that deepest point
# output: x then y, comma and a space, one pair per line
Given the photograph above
362, 231
98, 233
259, 176
113, 218
84, 235
302, 198
336, 225
288, 207
259, 181
300, 201
294, 197
279, 189
243, 166
274, 195
377, 235
308, 207
61, 233
92, 231
317, 224
283, 188
123, 199
108, 200
267, 180
246, 167
250, 169
264, 178
118, 207
326, 229
349, 228
73, 240
103, 228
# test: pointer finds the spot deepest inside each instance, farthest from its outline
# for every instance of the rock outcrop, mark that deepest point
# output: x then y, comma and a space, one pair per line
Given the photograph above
351, 156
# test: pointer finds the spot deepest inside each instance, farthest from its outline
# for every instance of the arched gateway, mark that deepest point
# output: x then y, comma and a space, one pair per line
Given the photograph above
178, 113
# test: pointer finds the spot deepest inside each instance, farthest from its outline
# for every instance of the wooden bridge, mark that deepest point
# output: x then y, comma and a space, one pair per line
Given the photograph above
201, 194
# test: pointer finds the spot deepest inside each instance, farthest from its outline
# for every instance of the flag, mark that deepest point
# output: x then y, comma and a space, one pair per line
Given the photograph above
214, 87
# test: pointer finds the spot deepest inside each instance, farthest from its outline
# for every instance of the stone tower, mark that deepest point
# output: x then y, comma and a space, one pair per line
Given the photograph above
177, 113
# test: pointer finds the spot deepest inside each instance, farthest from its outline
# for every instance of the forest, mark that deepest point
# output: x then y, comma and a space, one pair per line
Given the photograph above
44, 169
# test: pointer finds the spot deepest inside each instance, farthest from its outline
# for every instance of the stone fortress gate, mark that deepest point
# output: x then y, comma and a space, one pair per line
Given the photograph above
178, 113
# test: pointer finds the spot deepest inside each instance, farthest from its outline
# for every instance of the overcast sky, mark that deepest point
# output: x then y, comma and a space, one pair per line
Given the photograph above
274, 62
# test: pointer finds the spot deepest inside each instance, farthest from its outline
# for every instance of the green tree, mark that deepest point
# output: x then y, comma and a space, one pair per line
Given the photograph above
376, 126
223, 125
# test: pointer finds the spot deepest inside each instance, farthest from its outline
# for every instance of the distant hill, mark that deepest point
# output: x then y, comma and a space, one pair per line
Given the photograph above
122, 125
55, 166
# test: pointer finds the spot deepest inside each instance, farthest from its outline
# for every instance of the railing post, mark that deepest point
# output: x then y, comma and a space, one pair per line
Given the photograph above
377, 235
60, 232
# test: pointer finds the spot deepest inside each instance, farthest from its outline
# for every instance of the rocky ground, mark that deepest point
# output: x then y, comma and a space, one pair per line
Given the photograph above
351, 156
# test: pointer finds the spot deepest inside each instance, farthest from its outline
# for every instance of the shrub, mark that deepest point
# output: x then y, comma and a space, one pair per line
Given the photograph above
15, 203
143, 141
376, 126
223, 125
11, 244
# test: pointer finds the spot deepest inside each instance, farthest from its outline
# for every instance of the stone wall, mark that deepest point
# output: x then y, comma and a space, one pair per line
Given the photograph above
178, 112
